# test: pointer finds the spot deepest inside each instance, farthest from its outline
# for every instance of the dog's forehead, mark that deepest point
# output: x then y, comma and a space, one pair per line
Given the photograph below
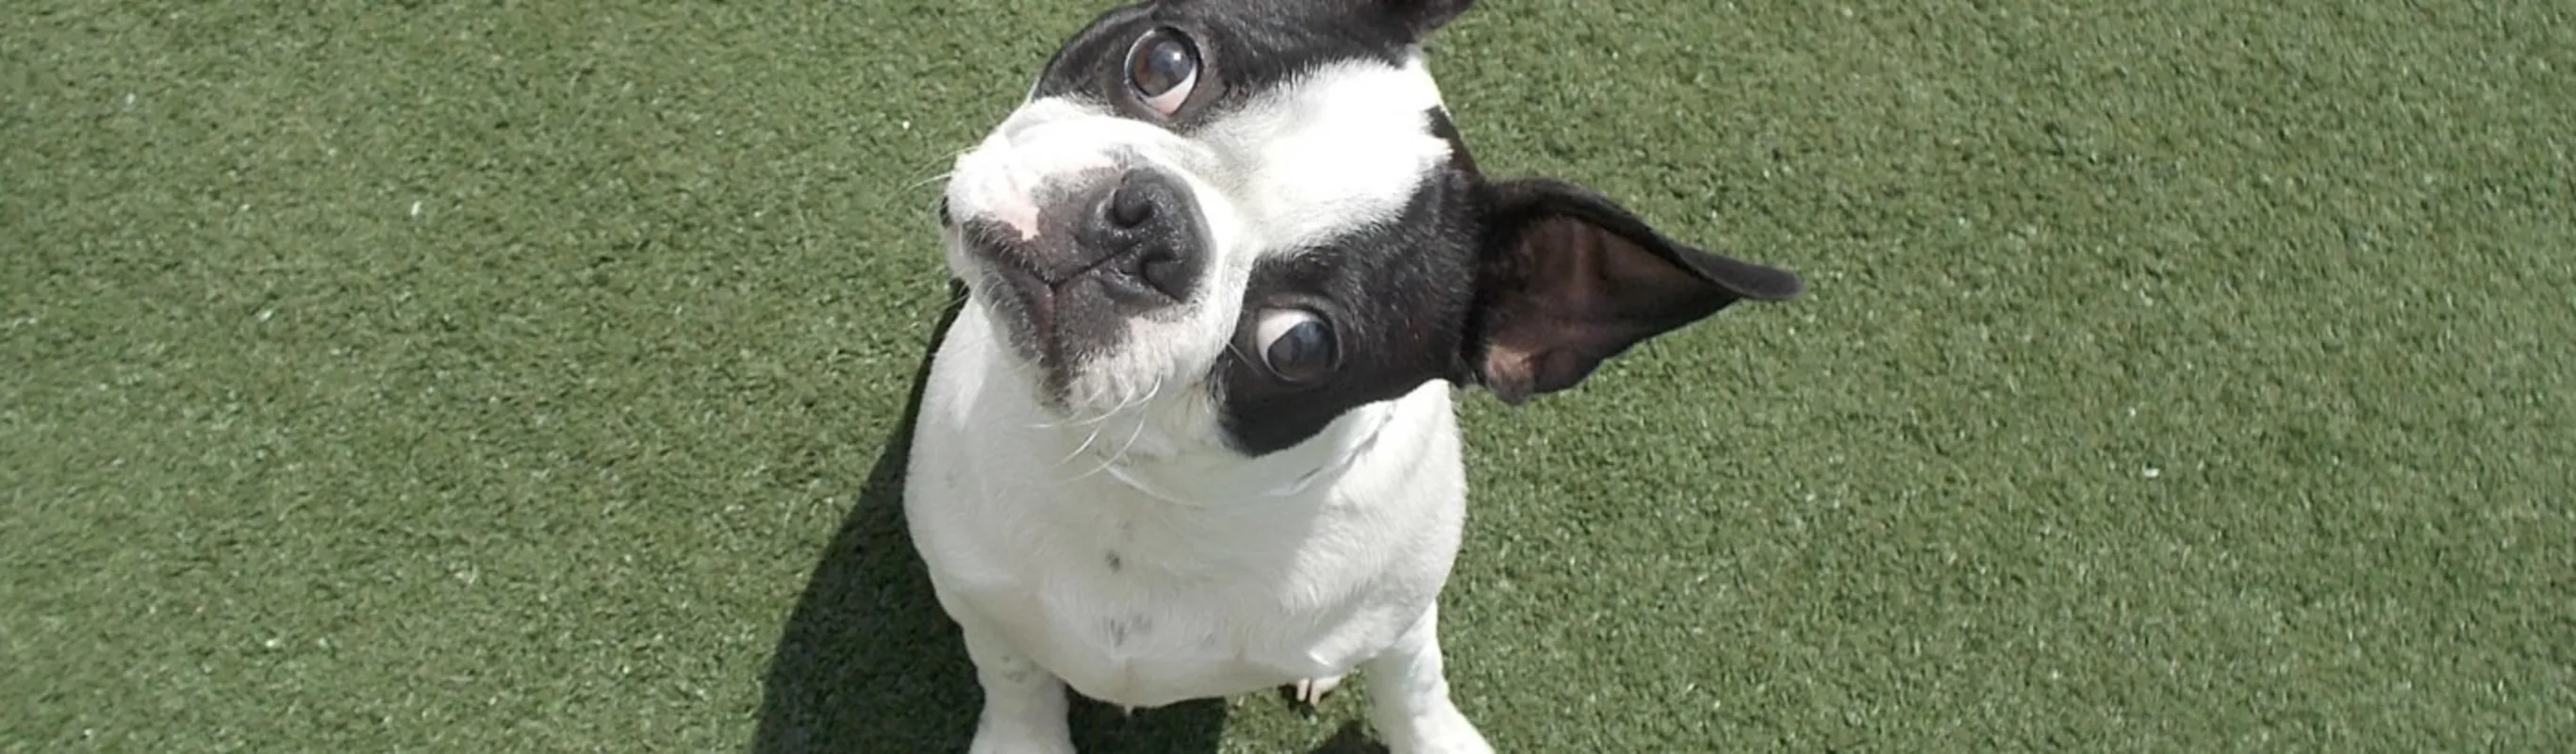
1248, 46
1315, 118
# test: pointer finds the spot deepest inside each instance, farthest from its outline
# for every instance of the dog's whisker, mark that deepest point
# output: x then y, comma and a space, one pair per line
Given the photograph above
1087, 439
1099, 422
949, 159
1239, 355
1121, 456
1132, 438
917, 185
1041, 419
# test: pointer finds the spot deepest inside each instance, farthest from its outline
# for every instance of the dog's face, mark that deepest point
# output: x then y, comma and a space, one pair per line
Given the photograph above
1234, 221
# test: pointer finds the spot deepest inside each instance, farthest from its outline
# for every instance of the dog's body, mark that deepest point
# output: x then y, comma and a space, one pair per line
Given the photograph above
1192, 435
1133, 598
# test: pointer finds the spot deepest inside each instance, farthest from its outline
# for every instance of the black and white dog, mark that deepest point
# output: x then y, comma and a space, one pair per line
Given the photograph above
1191, 434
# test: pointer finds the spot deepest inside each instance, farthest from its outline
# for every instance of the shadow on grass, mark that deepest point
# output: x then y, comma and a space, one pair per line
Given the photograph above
869, 663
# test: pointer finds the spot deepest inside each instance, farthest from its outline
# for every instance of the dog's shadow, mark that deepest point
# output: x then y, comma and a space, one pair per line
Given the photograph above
868, 662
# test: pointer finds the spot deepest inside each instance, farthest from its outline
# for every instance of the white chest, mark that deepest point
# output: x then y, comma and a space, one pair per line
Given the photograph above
1142, 601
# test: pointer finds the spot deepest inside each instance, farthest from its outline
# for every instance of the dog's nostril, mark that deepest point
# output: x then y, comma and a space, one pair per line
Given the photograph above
1144, 225
1164, 271
1129, 208
1167, 276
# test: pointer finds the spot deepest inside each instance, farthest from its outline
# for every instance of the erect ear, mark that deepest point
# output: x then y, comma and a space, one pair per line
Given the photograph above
1568, 279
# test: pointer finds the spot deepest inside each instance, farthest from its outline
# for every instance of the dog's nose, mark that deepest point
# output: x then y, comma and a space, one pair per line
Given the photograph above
1128, 208
1144, 218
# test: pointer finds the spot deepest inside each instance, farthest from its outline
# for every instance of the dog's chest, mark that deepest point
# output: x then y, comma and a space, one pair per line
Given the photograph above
1140, 601
1135, 601
1126, 605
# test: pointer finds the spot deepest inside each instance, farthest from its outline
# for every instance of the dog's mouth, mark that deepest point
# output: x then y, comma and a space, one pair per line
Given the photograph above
1071, 272
1059, 316
1030, 301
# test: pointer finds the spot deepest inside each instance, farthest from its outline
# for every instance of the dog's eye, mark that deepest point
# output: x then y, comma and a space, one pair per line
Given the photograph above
1163, 67
1297, 346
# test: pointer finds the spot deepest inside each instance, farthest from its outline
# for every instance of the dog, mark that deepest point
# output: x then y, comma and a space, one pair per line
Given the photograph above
1191, 433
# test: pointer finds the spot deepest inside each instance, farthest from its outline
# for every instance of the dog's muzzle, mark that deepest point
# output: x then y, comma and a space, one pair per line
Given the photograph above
1104, 245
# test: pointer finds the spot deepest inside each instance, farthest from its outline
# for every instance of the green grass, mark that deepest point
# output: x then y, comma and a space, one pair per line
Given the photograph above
516, 376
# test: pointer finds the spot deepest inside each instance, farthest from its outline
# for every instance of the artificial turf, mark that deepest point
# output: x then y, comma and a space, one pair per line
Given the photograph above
518, 376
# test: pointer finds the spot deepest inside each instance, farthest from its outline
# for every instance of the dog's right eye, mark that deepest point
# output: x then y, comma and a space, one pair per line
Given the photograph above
1297, 345
1163, 67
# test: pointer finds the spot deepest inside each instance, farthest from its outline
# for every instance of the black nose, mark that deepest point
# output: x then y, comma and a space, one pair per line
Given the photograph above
1144, 221
1128, 208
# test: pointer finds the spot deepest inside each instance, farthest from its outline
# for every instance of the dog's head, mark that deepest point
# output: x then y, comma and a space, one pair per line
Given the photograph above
1248, 217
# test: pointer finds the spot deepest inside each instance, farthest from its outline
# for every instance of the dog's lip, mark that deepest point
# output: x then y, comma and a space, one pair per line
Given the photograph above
1034, 300
1029, 294
1034, 292
1001, 247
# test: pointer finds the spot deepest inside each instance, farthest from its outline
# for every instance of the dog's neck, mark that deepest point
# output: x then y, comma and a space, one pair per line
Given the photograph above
1217, 478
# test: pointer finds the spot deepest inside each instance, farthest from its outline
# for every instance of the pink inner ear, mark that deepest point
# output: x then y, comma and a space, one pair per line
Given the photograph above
1571, 270
1585, 294
1587, 286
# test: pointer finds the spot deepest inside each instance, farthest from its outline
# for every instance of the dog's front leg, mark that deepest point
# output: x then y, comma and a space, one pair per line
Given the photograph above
1024, 705
1409, 696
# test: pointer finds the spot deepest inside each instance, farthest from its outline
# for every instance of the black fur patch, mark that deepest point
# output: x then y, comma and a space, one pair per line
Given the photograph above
1397, 295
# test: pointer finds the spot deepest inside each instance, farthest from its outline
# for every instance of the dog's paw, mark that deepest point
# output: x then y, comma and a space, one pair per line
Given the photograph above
1311, 691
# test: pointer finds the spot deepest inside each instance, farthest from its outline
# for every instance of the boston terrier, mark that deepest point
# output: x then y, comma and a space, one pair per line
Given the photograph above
1190, 434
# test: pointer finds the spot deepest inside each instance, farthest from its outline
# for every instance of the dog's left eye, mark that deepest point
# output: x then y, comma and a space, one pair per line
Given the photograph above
1163, 67
1297, 345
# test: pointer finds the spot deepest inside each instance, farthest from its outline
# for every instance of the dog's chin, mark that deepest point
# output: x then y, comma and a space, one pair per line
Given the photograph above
1024, 308
1068, 342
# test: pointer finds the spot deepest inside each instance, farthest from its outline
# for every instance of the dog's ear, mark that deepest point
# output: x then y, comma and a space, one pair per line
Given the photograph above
1568, 278
1424, 16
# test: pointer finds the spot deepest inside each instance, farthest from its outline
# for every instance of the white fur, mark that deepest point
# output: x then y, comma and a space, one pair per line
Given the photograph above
1231, 574
1343, 150
1218, 595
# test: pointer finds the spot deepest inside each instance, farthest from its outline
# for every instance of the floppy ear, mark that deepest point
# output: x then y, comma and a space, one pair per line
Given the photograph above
1568, 279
